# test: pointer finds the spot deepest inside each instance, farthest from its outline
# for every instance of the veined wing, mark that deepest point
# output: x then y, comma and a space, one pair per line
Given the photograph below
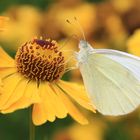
129, 61
112, 85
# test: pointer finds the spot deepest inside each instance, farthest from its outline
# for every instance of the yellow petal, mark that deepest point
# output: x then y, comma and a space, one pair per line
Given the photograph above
10, 84
39, 114
29, 97
45, 106
7, 71
56, 102
1, 83
50, 106
1, 87
5, 59
16, 94
78, 93
73, 111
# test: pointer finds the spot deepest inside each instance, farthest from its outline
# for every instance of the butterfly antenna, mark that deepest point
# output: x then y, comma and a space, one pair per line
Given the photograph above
79, 27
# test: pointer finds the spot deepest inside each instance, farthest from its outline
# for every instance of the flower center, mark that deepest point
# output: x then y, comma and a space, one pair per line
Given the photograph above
40, 60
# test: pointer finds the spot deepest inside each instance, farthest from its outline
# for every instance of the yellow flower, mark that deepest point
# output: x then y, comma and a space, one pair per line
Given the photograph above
3, 21
116, 32
85, 13
133, 43
34, 78
21, 26
123, 6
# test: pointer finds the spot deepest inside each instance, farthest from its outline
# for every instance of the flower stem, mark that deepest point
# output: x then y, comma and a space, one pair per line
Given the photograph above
31, 126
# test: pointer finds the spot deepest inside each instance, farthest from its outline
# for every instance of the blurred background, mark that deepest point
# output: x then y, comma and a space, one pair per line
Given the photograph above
111, 24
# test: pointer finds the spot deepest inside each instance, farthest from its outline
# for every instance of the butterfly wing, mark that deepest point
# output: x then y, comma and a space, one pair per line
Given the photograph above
112, 79
129, 61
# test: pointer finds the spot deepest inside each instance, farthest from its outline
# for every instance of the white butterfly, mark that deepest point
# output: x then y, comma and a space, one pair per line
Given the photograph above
111, 78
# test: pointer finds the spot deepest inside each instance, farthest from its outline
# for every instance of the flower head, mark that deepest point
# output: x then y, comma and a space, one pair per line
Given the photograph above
18, 28
40, 60
34, 78
85, 12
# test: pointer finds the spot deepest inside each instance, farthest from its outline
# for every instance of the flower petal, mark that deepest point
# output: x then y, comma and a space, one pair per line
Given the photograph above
39, 114
72, 110
5, 59
58, 105
16, 94
0, 83
6, 71
49, 107
29, 97
78, 93
10, 84
43, 111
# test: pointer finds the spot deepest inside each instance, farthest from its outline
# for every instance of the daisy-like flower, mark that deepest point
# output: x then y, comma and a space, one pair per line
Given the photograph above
34, 78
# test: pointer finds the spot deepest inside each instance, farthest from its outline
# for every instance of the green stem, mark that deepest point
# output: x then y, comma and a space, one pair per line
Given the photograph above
31, 126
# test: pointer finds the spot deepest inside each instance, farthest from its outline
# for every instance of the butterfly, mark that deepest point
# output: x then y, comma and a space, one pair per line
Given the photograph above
111, 78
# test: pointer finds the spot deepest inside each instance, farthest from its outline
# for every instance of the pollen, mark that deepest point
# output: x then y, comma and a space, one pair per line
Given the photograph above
40, 60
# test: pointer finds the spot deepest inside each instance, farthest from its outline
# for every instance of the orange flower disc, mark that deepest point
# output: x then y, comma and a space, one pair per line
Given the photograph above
40, 60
